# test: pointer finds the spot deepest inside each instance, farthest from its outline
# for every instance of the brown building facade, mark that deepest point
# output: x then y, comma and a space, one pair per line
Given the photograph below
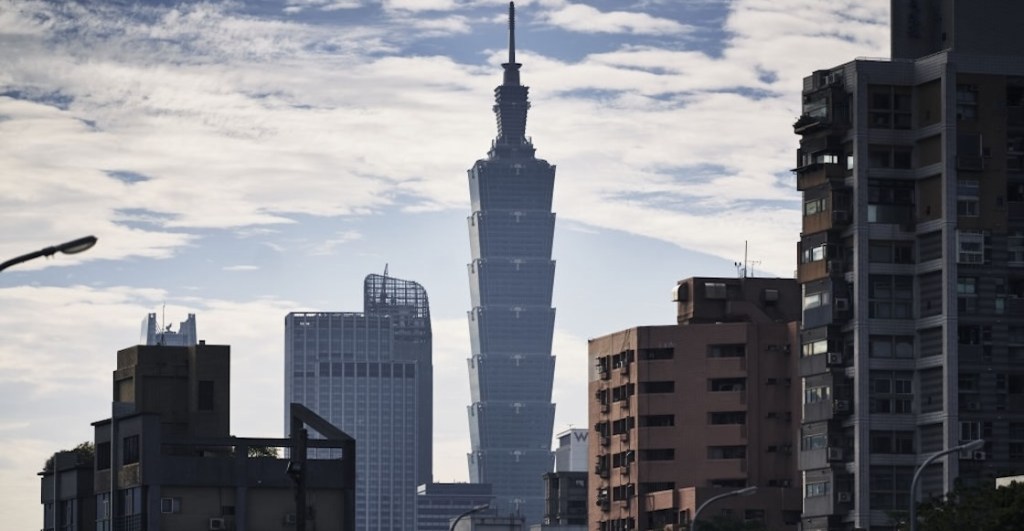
684, 412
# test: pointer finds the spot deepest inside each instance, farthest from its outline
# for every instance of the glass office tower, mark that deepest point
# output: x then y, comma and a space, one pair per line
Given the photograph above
511, 322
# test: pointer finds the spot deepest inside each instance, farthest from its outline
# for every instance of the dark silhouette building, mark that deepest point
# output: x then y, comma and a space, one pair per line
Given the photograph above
512, 321
911, 261
165, 459
438, 503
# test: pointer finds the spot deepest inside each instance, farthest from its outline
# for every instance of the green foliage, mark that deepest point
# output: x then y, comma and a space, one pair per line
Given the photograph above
85, 451
979, 508
262, 451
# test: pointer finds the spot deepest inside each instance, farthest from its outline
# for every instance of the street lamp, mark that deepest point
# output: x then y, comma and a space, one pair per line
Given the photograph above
71, 247
476, 509
740, 492
972, 445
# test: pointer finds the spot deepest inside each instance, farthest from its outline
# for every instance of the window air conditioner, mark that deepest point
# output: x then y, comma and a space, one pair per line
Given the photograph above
835, 358
842, 304
844, 497
217, 524
980, 455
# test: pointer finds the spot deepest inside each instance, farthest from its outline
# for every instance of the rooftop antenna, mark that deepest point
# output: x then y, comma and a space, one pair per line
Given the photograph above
511, 33
741, 267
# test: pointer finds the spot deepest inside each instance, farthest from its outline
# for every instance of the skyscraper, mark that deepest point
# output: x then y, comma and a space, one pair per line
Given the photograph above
154, 334
512, 321
369, 374
912, 263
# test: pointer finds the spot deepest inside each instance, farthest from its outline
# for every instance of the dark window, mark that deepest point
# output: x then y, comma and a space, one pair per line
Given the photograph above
103, 456
727, 351
657, 353
374, 370
727, 417
206, 394
130, 452
727, 384
658, 387
658, 454
654, 421
727, 452
410, 370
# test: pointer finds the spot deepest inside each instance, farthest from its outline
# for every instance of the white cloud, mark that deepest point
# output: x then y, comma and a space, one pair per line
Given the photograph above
586, 19
243, 267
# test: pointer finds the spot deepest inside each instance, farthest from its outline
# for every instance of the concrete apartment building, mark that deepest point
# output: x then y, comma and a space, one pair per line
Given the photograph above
911, 262
165, 460
684, 412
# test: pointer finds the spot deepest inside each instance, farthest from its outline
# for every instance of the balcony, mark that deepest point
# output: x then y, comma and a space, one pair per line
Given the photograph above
817, 174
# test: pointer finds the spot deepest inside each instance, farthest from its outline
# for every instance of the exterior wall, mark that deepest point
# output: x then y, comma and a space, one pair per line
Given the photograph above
571, 454
511, 321
66, 493
566, 498
704, 403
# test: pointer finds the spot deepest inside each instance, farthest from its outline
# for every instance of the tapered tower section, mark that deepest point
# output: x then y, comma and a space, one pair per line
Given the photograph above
511, 322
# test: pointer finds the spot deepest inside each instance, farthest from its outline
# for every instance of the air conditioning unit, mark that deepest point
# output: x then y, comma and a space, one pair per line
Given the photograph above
217, 524
835, 453
980, 455
844, 497
841, 405
624, 470
624, 436
624, 368
605, 441
834, 358
605, 407
624, 403
842, 304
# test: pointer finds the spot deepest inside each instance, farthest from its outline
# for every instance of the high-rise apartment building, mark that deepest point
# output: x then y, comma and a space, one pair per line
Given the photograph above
365, 373
512, 321
684, 412
911, 261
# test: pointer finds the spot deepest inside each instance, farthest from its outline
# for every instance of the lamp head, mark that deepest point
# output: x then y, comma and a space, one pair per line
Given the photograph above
747, 491
77, 246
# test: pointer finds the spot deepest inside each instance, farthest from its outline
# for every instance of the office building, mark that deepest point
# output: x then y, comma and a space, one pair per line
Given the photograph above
511, 322
684, 412
911, 262
165, 461
154, 333
565, 502
438, 503
365, 373
571, 453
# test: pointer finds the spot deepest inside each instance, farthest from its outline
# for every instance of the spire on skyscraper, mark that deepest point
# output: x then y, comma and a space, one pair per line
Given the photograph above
510, 98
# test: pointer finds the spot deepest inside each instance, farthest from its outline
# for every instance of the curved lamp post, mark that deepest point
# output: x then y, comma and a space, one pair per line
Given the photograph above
71, 247
741, 492
973, 445
476, 509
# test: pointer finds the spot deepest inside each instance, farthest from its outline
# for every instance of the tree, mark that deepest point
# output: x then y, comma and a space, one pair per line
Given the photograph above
977, 508
262, 451
85, 452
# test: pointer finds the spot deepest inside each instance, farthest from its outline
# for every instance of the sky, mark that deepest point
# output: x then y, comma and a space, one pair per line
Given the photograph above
243, 159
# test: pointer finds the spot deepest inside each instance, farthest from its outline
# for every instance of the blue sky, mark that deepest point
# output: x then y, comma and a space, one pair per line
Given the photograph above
240, 160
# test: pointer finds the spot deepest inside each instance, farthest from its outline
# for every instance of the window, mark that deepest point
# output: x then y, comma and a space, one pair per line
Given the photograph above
205, 402
889, 107
889, 157
103, 456
891, 296
890, 201
891, 392
727, 452
891, 252
170, 505
817, 441
714, 290
1015, 248
736, 350
815, 206
813, 490
892, 442
727, 384
891, 346
814, 254
658, 454
727, 417
815, 347
966, 102
657, 421
889, 486
667, 386
665, 353
970, 247
967, 193
814, 300
813, 395
130, 452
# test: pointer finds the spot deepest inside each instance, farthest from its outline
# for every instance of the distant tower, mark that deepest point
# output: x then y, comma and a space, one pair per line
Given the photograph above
154, 333
511, 322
